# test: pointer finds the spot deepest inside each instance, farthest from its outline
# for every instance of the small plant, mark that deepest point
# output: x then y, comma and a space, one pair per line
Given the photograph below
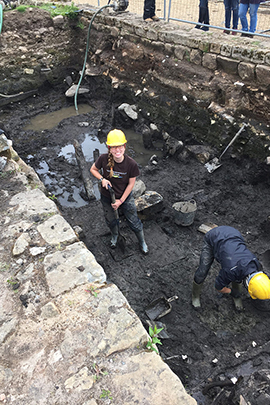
153, 338
4, 266
93, 290
80, 25
106, 394
52, 197
98, 372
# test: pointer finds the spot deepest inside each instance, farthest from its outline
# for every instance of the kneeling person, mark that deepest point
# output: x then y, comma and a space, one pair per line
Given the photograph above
238, 264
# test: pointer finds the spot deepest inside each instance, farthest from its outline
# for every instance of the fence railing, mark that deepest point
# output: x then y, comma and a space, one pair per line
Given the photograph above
186, 12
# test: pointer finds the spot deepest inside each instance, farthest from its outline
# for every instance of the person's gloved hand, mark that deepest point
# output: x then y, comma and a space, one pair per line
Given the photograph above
235, 293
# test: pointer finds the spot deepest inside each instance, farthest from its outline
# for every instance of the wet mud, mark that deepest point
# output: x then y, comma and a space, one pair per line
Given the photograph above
216, 343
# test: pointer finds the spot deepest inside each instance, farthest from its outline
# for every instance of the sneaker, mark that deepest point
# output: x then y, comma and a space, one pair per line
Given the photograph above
155, 18
148, 20
226, 32
234, 33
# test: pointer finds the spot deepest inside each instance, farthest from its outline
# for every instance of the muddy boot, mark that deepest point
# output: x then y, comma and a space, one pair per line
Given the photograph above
196, 291
114, 232
143, 246
236, 294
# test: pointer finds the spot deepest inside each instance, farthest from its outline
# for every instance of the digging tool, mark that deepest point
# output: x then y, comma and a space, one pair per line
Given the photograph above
159, 307
121, 240
215, 163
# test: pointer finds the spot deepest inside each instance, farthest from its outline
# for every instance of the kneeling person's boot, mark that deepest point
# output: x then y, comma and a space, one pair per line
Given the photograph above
143, 246
114, 237
236, 294
196, 291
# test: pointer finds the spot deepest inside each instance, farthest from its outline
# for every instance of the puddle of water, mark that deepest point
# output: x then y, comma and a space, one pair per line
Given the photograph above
90, 143
51, 120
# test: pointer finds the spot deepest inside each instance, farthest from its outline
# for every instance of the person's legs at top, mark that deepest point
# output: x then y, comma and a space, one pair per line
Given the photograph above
235, 11
149, 9
253, 8
228, 8
203, 15
243, 8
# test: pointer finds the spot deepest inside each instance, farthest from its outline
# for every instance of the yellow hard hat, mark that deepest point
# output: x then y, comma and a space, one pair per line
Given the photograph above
116, 137
259, 287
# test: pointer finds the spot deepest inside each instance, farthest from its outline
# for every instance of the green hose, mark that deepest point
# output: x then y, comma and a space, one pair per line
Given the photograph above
86, 54
1, 17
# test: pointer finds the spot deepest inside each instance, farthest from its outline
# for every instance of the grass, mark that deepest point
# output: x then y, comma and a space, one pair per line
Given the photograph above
70, 11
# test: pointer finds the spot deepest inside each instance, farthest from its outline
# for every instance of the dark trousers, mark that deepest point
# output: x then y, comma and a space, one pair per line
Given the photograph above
203, 15
206, 260
129, 210
149, 9
231, 9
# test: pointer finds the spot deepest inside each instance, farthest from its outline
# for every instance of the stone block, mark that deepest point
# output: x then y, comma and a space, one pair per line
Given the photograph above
237, 52
149, 203
246, 71
263, 75
258, 56
226, 50
71, 267
215, 48
246, 54
152, 34
179, 52
228, 65
209, 61
204, 46
196, 56
267, 58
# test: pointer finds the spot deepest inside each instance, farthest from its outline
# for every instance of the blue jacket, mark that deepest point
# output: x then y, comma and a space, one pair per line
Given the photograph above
230, 251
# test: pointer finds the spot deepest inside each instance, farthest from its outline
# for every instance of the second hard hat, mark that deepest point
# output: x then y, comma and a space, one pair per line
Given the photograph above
259, 286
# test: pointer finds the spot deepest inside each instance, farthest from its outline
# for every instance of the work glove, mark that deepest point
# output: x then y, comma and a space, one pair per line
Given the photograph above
235, 293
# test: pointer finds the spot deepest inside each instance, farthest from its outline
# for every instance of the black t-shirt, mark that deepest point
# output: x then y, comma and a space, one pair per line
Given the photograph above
122, 172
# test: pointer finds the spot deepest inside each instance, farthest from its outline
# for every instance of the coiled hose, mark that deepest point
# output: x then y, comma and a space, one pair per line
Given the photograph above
86, 54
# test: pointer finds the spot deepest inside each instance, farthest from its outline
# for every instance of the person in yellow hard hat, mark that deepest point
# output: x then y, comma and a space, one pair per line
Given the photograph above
238, 264
119, 171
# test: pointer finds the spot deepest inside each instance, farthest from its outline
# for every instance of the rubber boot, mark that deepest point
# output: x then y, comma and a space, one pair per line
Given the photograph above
143, 246
237, 300
114, 232
196, 291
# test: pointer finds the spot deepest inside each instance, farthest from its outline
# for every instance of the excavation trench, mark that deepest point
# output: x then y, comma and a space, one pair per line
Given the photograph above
205, 349
217, 343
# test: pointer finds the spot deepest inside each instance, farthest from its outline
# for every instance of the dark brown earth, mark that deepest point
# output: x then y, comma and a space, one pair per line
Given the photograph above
211, 345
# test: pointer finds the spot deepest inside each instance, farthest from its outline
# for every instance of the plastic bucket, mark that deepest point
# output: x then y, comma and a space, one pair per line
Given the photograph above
184, 212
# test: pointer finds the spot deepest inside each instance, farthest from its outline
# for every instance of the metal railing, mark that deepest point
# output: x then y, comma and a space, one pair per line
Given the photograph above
186, 13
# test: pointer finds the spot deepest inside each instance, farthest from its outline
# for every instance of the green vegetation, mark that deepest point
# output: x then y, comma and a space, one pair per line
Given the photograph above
4, 266
153, 338
70, 11
106, 394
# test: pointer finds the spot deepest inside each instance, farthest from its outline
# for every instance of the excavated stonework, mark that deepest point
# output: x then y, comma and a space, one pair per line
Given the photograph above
207, 346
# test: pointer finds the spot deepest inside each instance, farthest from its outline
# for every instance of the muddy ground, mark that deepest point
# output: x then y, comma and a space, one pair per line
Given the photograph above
215, 343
